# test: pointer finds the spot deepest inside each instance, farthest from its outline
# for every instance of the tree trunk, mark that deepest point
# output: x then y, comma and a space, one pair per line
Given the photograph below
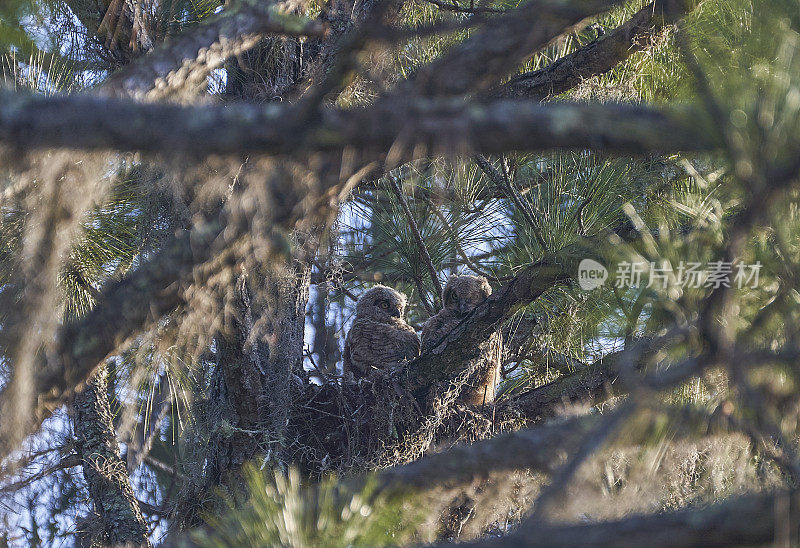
120, 521
250, 402
325, 345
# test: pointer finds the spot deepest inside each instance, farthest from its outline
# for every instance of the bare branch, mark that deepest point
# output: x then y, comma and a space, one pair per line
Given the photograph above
540, 449
590, 443
69, 461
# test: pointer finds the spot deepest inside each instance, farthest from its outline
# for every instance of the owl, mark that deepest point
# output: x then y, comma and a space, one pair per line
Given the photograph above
460, 297
379, 339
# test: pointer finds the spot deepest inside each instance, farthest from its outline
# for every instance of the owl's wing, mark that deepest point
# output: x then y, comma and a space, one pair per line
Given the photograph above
433, 331
409, 343
375, 345
356, 360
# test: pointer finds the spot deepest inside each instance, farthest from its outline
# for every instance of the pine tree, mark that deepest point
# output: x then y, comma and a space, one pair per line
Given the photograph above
195, 194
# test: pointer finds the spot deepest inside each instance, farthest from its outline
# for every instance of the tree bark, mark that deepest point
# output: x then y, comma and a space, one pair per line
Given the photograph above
749, 520
120, 518
183, 63
599, 56
257, 360
438, 126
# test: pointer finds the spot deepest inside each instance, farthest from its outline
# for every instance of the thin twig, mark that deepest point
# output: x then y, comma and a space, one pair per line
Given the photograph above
69, 461
420, 243
464, 257
503, 183
322, 375
148, 508
164, 467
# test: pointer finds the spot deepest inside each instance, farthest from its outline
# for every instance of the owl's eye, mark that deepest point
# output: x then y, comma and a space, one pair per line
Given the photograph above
384, 305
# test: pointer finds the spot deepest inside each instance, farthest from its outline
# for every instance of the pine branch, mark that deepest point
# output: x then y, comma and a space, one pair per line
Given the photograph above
504, 185
127, 306
185, 61
504, 42
589, 385
540, 449
754, 519
459, 248
423, 249
438, 126
600, 56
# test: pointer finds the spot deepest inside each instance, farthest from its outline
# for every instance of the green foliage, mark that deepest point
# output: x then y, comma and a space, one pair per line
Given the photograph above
281, 511
41, 72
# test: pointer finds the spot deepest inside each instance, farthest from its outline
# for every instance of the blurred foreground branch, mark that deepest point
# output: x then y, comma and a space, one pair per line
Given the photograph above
436, 125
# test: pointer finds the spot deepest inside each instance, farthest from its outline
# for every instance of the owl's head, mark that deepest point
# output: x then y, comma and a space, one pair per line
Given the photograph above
382, 304
463, 293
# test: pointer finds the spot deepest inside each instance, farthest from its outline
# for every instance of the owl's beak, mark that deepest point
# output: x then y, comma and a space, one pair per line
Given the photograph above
463, 307
395, 312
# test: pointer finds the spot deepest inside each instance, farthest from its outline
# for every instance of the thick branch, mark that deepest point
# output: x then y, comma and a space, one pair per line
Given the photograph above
103, 468
748, 520
590, 384
450, 355
600, 56
487, 56
612, 375
186, 60
440, 126
540, 449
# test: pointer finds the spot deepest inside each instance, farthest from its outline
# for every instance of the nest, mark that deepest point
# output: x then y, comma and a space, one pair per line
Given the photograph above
379, 422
